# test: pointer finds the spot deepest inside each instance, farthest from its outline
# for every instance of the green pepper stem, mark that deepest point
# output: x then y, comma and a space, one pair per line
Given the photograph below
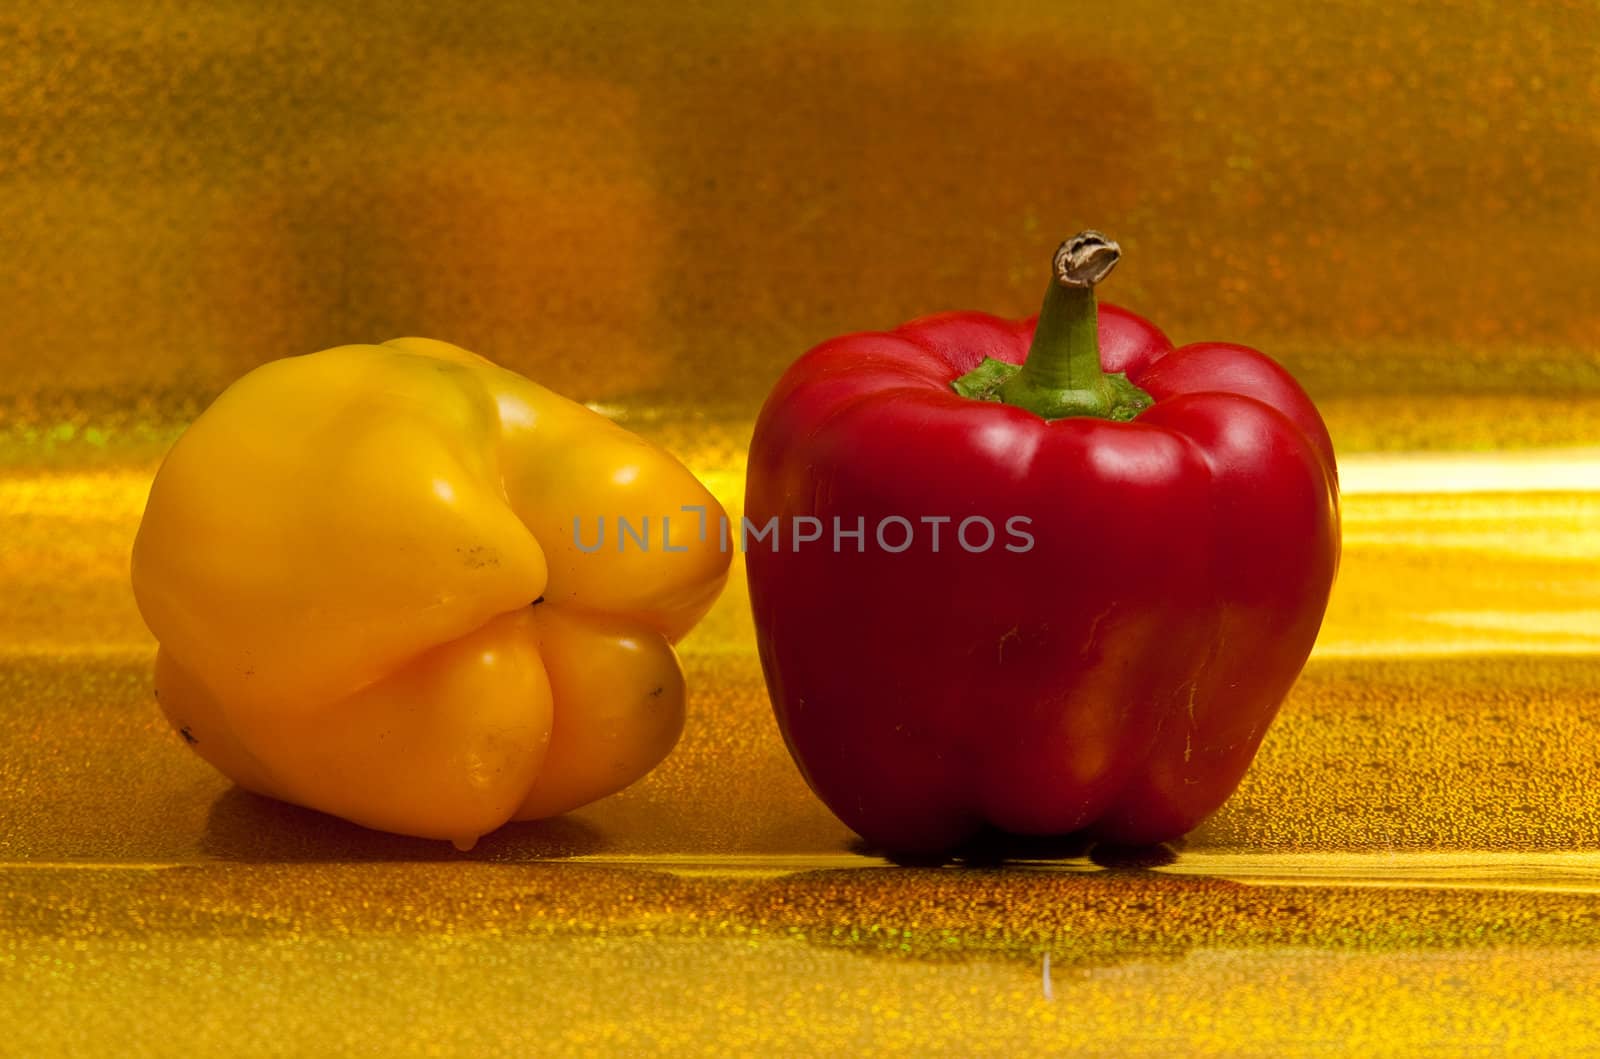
1062, 375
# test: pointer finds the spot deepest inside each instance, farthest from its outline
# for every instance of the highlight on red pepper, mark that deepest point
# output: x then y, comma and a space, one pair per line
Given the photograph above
364, 570
1066, 576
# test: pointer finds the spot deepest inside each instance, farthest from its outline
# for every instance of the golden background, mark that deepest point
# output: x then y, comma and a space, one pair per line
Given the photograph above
655, 208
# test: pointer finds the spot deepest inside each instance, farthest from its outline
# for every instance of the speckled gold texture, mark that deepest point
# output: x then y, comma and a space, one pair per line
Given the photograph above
1414, 860
654, 208
1391, 198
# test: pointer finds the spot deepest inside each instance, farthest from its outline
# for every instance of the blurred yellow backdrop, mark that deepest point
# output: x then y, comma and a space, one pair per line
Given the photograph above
664, 202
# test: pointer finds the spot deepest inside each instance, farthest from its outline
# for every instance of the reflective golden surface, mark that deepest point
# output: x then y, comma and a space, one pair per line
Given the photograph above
656, 207
1413, 860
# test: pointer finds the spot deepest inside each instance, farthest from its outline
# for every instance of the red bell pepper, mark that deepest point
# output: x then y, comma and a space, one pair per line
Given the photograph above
1104, 659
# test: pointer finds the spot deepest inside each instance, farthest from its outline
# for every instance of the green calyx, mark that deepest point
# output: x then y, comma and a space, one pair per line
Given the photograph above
1061, 376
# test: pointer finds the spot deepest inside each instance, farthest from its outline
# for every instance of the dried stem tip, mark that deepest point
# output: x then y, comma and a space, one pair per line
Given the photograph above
1086, 259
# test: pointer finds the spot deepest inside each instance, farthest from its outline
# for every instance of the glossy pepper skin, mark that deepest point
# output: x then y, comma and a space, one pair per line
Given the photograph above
1115, 678
362, 569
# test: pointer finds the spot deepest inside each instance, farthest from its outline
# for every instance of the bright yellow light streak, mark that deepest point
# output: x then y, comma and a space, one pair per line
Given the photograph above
1530, 471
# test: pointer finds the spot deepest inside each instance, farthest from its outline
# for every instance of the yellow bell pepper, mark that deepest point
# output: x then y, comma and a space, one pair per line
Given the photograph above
366, 573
